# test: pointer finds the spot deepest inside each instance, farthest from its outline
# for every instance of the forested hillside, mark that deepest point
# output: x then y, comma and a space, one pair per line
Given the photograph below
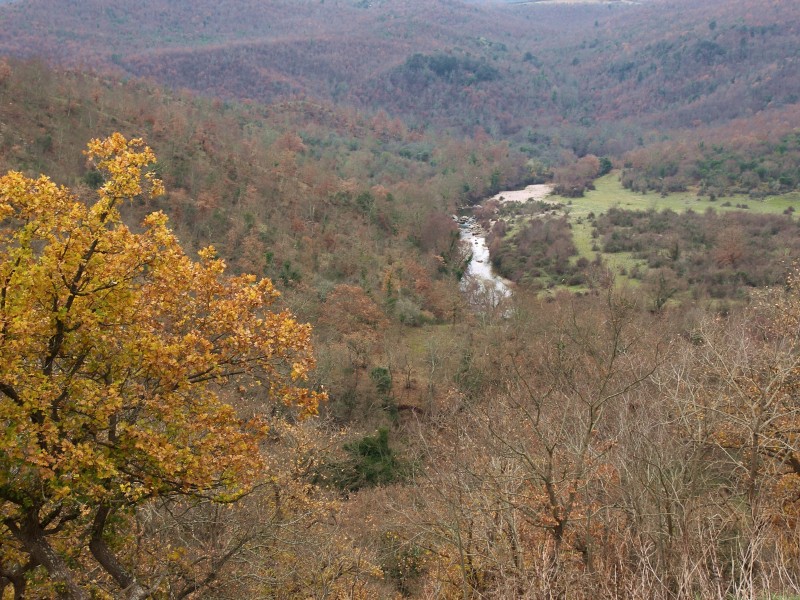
509, 69
239, 357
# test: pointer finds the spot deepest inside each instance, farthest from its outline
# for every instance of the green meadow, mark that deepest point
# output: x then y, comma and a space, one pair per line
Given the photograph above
609, 193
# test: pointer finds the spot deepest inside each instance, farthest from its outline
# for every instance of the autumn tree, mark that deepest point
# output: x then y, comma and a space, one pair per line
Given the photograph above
520, 495
356, 318
743, 386
117, 351
562, 407
572, 181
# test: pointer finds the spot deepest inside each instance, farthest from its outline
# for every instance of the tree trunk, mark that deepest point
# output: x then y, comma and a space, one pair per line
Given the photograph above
16, 579
32, 537
131, 588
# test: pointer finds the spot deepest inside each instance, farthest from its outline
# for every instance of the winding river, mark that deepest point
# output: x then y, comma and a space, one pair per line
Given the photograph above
480, 283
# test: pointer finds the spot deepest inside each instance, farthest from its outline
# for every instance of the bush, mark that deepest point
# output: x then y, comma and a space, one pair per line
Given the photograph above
370, 462
408, 313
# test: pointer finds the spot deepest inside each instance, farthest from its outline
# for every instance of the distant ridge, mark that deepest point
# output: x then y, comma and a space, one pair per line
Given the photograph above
510, 69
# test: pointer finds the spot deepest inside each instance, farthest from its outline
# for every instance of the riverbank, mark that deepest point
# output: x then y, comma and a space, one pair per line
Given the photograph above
482, 285
532, 193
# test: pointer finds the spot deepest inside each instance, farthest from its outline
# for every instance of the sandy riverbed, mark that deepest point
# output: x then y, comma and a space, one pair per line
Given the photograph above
539, 191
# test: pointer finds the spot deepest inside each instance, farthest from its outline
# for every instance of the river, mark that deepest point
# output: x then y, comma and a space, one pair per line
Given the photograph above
480, 283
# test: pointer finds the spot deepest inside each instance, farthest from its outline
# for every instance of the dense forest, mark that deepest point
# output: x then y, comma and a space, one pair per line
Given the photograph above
240, 353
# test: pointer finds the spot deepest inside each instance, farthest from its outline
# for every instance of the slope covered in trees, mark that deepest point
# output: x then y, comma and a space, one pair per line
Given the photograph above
560, 81
319, 199
510, 69
305, 181
626, 441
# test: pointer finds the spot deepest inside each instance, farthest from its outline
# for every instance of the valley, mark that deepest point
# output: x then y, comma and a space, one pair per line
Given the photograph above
440, 300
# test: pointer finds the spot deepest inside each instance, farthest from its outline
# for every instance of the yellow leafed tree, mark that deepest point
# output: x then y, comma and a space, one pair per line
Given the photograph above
114, 346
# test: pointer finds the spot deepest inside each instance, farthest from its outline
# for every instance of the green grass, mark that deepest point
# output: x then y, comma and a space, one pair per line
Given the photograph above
620, 262
609, 193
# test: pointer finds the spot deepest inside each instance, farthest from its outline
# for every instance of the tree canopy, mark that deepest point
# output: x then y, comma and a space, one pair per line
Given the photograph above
118, 358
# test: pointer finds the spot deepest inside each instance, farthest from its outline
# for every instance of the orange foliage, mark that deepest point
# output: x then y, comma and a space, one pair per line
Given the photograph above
113, 347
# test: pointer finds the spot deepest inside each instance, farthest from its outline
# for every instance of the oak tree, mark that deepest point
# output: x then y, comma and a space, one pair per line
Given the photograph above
118, 357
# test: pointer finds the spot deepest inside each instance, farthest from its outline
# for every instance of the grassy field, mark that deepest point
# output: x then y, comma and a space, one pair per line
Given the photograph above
609, 193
